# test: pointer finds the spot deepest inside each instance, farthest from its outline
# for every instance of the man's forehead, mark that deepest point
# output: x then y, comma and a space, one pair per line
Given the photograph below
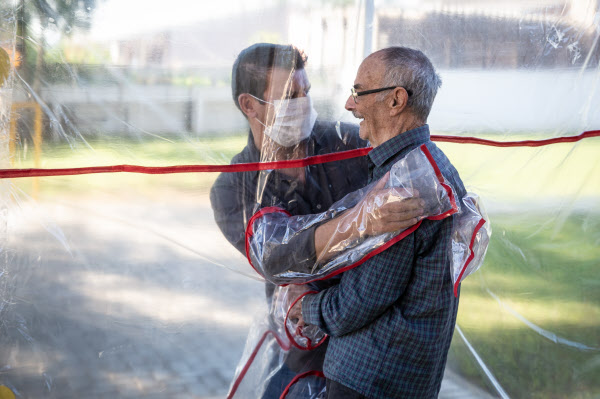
369, 72
284, 80
282, 77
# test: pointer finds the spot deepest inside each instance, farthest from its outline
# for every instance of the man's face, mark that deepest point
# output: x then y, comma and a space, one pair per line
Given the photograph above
283, 84
369, 76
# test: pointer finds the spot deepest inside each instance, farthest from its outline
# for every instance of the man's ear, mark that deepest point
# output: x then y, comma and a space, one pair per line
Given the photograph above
398, 101
248, 105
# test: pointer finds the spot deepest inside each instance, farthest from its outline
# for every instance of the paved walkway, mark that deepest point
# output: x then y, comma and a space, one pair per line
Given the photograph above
125, 300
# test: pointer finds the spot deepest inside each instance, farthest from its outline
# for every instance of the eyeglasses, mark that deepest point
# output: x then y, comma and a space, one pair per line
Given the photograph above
355, 93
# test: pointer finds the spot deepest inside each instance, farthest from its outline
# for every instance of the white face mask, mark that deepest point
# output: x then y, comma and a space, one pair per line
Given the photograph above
294, 120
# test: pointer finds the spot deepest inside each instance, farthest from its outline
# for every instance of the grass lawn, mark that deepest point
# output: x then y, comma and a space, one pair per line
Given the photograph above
117, 151
532, 313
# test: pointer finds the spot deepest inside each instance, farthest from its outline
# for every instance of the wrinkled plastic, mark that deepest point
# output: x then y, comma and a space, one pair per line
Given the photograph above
126, 285
300, 334
268, 348
471, 234
414, 175
310, 385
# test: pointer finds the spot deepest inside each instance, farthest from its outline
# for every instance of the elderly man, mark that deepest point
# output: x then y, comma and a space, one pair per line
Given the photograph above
391, 319
271, 89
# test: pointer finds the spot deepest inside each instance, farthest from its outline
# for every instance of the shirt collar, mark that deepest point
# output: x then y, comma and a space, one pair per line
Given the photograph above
393, 146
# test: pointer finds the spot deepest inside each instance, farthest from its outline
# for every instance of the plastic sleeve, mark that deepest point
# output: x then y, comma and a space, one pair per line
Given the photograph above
281, 247
297, 255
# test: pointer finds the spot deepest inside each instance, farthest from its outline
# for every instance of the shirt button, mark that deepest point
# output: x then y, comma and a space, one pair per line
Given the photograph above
318, 206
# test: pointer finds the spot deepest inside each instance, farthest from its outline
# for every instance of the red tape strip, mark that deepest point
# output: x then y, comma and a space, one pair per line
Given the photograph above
523, 143
242, 374
256, 166
309, 346
470, 258
241, 167
309, 373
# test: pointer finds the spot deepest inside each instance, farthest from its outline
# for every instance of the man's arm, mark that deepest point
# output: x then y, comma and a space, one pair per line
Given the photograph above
283, 245
383, 210
367, 291
231, 208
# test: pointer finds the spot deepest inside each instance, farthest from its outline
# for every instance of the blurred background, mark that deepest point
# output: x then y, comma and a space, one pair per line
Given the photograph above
121, 285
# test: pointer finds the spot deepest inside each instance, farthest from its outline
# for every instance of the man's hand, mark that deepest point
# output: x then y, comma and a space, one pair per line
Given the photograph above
384, 210
295, 315
286, 296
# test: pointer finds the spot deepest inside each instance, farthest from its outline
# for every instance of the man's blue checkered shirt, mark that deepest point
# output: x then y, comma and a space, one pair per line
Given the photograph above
391, 319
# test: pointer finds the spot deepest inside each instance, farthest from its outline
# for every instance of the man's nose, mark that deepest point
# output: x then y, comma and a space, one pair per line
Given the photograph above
350, 104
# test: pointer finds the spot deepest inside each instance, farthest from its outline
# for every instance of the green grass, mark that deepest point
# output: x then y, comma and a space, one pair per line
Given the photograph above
504, 174
549, 278
567, 171
542, 265
116, 151
149, 151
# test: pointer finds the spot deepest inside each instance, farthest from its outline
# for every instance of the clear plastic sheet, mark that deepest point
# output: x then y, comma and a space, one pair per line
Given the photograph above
471, 234
271, 230
290, 324
132, 285
415, 175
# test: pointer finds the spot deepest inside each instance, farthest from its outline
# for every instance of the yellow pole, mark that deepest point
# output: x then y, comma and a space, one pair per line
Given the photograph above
12, 138
37, 141
37, 144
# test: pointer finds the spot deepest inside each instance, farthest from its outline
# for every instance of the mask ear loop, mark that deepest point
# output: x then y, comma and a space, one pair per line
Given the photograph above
260, 99
258, 120
276, 108
263, 101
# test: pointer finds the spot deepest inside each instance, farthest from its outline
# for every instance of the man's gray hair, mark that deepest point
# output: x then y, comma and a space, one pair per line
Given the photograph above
412, 70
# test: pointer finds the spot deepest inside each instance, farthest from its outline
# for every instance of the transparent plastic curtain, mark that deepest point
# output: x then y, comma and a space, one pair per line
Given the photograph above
132, 285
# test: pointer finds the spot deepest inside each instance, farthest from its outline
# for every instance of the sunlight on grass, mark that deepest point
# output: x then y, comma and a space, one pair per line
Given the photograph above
211, 150
526, 173
117, 151
533, 311
482, 313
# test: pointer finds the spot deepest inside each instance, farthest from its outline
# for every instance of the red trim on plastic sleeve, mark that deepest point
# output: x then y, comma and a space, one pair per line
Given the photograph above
298, 377
240, 377
440, 177
370, 254
249, 233
471, 255
405, 233
299, 330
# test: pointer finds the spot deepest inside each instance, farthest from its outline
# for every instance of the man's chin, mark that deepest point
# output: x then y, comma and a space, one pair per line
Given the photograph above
363, 131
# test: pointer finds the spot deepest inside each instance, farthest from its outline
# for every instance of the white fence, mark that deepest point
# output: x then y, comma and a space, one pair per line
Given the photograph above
469, 101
